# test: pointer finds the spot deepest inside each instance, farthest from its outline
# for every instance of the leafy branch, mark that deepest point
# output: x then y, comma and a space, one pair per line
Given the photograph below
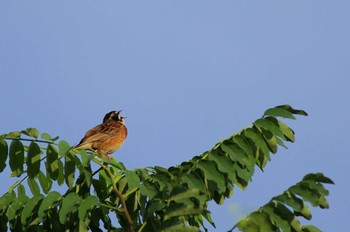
277, 212
120, 196
150, 199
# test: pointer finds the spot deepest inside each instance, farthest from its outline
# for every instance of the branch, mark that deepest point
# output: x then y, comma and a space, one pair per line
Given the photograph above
121, 198
31, 140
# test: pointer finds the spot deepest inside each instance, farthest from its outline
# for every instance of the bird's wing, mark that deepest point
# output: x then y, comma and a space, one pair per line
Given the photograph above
101, 132
90, 136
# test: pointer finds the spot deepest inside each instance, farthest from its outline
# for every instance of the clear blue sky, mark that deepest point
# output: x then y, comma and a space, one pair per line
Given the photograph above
187, 74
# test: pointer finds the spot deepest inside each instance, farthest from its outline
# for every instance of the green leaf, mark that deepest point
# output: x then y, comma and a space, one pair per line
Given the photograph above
287, 132
86, 158
154, 206
181, 228
48, 203
30, 209
211, 173
267, 124
69, 170
13, 209
184, 194
13, 135
257, 138
52, 165
236, 154
317, 187
310, 228
96, 216
279, 214
181, 211
262, 155
296, 203
63, 147
69, 205
118, 165
45, 182
312, 192
87, 205
83, 226
34, 187
77, 161
318, 177
87, 175
207, 217
292, 110
103, 176
323, 203
291, 200
257, 221
48, 137
122, 183
271, 140
305, 212
33, 160
223, 162
16, 157
5, 201
133, 179
3, 154
149, 189
31, 132
114, 163
100, 188
194, 181
306, 193
279, 112
243, 143
21, 190
243, 176
163, 179
60, 178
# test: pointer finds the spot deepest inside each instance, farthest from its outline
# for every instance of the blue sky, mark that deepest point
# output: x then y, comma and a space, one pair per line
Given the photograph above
187, 74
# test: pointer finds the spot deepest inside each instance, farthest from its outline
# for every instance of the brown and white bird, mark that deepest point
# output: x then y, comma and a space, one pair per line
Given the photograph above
107, 137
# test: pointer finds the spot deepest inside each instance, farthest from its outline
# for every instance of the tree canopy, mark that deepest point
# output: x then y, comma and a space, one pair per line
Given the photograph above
58, 188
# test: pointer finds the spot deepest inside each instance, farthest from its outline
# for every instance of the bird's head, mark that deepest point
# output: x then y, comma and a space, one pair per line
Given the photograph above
114, 116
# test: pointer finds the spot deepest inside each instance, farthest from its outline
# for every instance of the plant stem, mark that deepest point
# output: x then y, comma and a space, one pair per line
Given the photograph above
109, 206
143, 226
121, 198
18, 183
32, 140
95, 172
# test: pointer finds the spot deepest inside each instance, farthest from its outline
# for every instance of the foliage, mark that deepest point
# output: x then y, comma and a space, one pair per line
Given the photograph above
277, 213
148, 199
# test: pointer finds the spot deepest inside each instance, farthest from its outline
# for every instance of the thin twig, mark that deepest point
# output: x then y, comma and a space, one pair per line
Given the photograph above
121, 198
97, 171
18, 183
109, 206
125, 210
32, 140
143, 226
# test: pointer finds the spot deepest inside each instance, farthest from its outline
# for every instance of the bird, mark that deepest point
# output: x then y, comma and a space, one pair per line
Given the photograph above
107, 137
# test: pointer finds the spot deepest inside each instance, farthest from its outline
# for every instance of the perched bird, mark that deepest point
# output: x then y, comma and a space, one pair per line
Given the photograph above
107, 137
